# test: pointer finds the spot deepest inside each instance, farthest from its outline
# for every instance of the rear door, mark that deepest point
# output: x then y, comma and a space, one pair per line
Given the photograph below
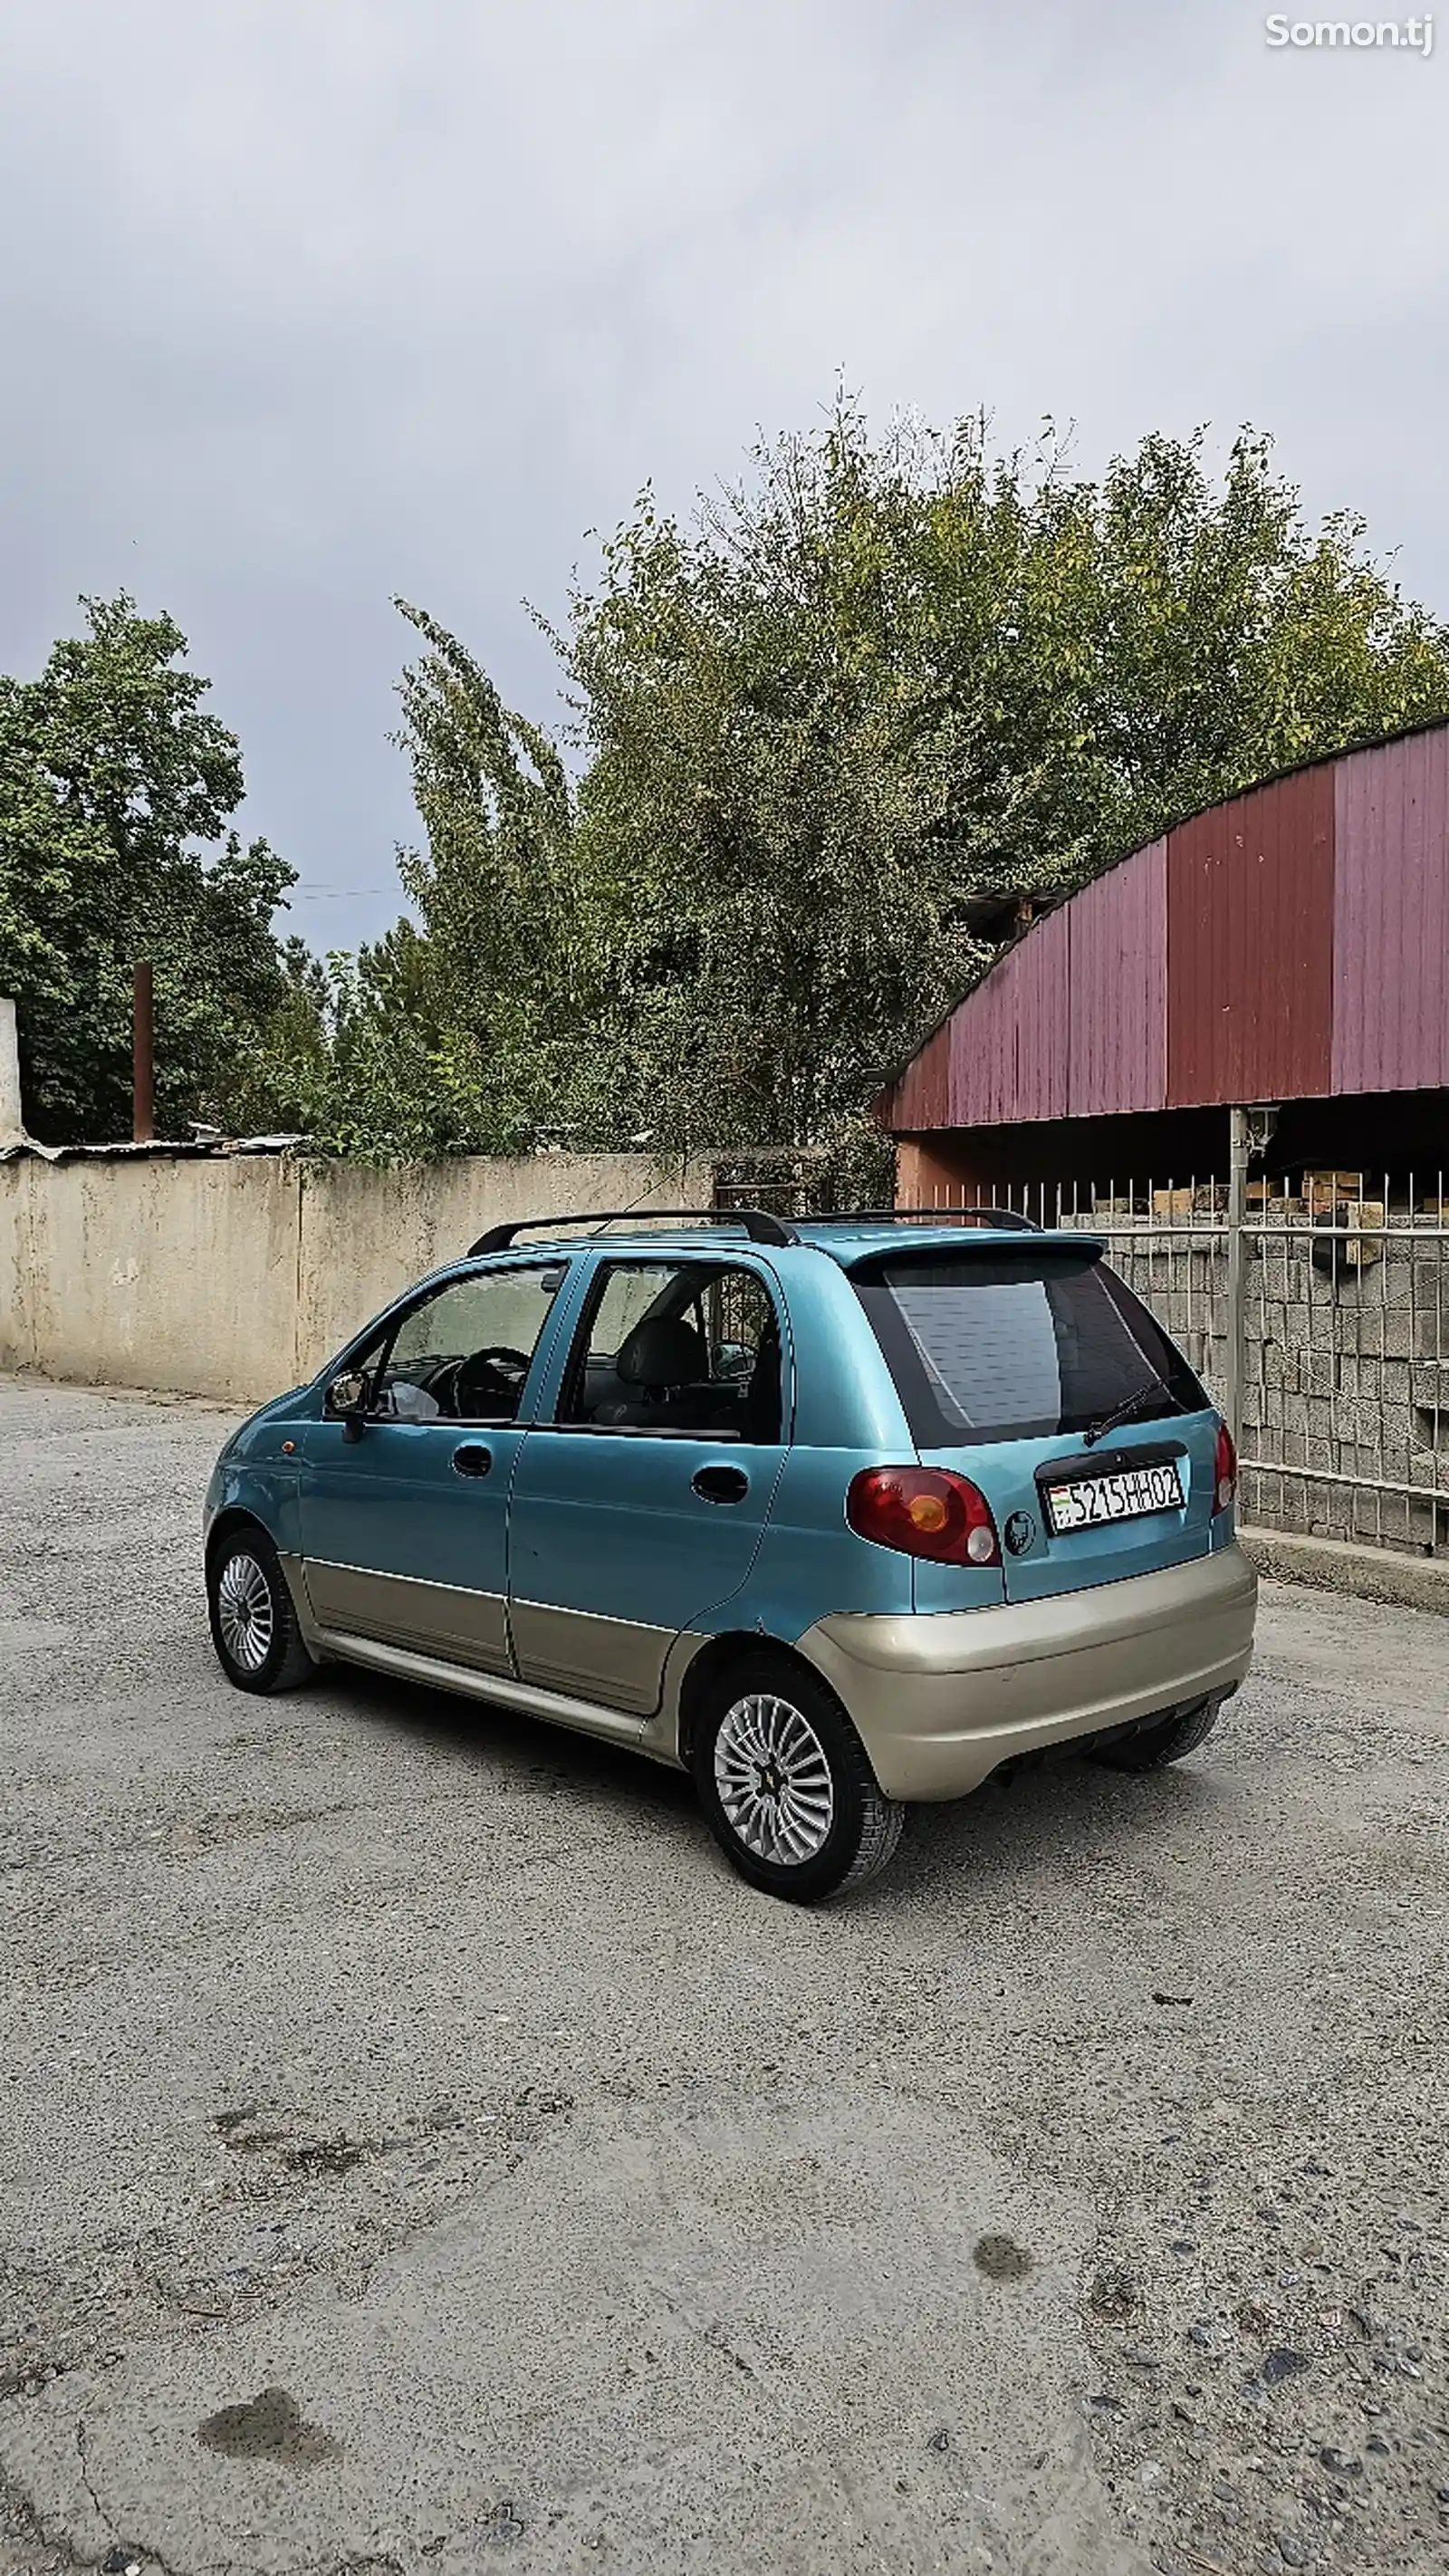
639, 1506
1011, 1361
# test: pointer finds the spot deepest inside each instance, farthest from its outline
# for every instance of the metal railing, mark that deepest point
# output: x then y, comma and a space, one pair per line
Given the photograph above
1317, 1313
789, 1180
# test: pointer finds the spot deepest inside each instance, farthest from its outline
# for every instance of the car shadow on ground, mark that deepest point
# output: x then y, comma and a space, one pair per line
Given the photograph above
1058, 1808
487, 1736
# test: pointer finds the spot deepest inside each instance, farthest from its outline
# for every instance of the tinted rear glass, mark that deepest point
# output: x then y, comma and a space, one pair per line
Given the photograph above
1018, 1345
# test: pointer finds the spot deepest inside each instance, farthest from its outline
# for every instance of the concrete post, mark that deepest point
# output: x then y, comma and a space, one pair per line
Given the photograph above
12, 1129
1240, 1146
1250, 1132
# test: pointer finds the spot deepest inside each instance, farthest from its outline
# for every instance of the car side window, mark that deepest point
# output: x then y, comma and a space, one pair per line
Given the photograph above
463, 1353
691, 1348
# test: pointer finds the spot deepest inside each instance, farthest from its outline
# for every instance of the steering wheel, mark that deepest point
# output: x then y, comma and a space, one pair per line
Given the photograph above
487, 1379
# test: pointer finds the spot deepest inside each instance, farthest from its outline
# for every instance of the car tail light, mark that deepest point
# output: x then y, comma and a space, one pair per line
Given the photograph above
1225, 1473
924, 1511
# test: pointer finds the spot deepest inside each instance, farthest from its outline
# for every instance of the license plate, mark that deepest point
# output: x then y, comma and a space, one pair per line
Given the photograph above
1126, 1496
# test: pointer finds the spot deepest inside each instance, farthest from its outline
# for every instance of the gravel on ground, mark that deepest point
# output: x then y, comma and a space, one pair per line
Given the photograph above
419, 2153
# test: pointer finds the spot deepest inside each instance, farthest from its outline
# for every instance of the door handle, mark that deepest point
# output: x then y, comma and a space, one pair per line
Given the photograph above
720, 1484
472, 1459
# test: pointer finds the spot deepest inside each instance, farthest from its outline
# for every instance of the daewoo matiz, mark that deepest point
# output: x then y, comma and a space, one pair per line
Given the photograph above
835, 1515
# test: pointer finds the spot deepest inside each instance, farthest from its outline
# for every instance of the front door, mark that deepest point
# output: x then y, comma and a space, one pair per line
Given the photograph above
405, 1530
640, 1507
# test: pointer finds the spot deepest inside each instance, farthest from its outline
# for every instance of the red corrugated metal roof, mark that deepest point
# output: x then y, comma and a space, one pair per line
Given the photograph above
1287, 944
922, 1097
1391, 918
1250, 947
1117, 1004
1009, 1060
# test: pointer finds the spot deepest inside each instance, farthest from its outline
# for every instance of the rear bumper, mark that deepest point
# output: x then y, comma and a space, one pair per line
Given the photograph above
941, 1699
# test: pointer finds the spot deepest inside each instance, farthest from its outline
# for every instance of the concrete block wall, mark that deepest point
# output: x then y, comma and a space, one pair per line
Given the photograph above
1347, 1371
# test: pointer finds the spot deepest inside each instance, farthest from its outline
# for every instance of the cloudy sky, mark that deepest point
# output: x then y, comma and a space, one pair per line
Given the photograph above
307, 302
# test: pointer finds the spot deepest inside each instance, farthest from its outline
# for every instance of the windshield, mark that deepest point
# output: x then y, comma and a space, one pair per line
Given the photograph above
1019, 1345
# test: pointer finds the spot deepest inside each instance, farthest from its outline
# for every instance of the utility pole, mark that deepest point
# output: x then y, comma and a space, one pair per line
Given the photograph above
143, 1057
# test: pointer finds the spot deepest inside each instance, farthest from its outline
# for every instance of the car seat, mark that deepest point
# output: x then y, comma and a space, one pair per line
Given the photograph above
660, 1358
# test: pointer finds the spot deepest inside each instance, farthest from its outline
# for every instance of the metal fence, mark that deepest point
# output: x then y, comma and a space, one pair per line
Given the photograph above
1317, 1312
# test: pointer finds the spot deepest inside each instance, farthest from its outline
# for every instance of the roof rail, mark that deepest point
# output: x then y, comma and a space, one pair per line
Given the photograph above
1007, 1219
757, 1223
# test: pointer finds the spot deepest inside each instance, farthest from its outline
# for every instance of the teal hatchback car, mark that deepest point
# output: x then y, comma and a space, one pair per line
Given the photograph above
835, 1515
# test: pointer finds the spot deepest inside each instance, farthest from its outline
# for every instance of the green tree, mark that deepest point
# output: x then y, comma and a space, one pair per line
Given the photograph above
878, 678
882, 677
111, 775
463, 1036
283, 1076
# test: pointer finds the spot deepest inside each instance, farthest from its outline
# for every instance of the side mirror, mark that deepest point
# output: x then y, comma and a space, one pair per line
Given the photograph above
347, 1402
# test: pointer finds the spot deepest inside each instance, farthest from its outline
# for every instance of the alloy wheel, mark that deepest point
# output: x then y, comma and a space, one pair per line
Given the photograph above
773, 1779
244, 1612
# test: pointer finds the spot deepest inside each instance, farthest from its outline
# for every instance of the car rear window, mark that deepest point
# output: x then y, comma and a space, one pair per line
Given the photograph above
986, 1345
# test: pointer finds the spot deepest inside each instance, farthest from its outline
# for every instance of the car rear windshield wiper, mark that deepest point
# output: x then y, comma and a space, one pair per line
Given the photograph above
1130, 1405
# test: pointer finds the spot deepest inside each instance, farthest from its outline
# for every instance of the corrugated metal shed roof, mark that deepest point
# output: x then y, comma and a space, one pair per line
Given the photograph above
1290, 943
1250, 947
1391, 926
1117, 996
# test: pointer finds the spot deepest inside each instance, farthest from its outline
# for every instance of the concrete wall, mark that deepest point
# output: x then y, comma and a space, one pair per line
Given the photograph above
236, 1277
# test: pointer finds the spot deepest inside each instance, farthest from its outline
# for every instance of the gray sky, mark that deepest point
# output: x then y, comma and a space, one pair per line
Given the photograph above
306, 302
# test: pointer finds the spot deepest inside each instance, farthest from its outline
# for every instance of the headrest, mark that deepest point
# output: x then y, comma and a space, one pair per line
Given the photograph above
661, 1352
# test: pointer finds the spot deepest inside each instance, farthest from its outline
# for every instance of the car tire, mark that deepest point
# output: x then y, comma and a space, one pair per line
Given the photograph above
253, 1622
827, 1827
1168, 1739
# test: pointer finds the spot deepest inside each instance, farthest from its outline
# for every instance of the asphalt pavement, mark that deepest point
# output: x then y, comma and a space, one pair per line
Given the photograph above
419, 2154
